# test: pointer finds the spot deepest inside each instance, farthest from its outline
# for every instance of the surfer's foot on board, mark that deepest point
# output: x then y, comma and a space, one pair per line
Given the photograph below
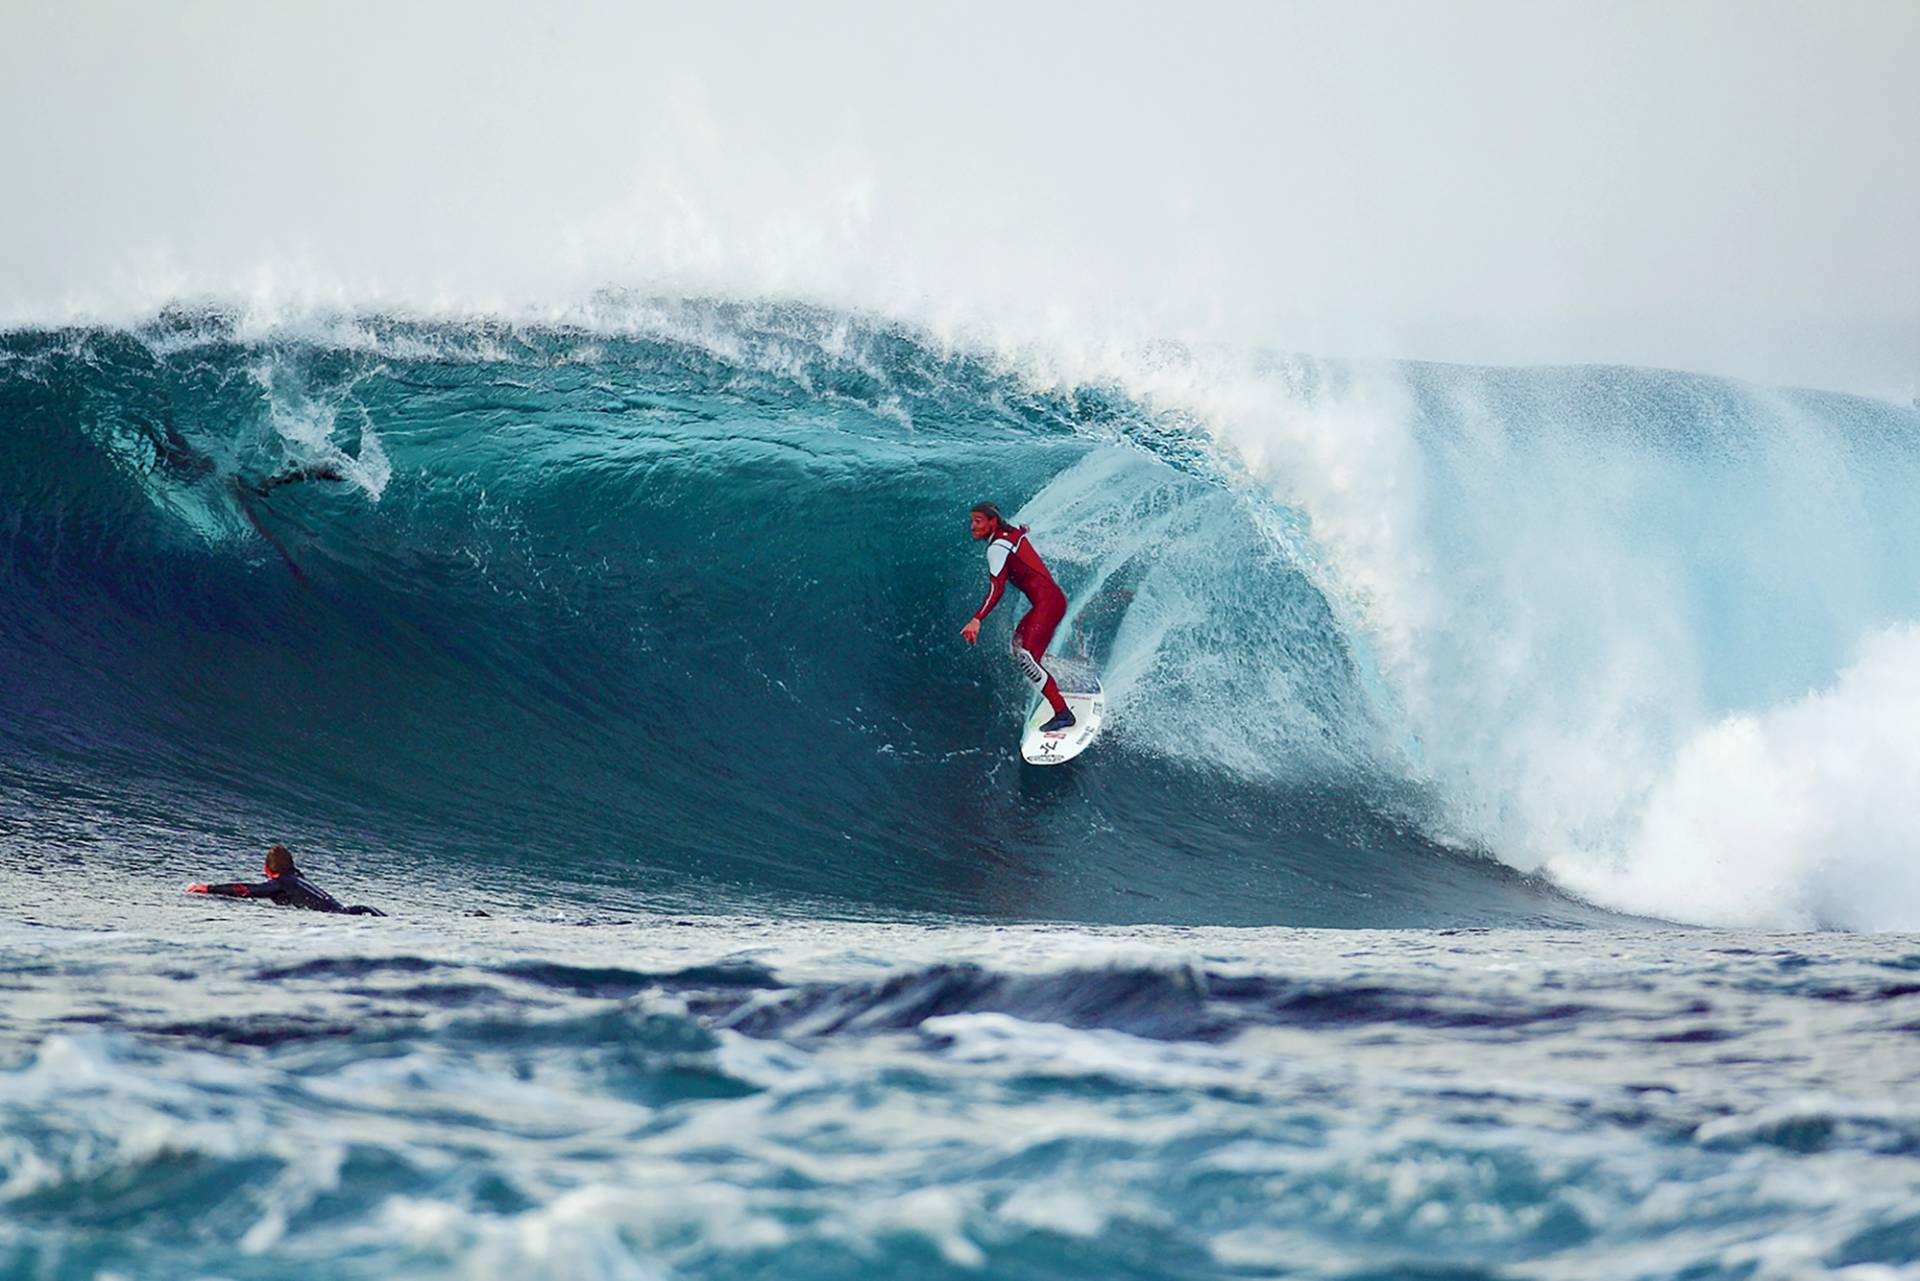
1061, 720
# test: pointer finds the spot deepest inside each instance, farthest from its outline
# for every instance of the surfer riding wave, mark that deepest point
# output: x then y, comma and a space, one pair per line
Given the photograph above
1011, 556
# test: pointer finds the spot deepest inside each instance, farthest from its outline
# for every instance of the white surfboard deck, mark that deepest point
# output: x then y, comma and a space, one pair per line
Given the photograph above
1085, 700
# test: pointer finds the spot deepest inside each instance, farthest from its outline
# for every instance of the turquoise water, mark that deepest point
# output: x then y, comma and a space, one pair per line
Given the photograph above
1446, 705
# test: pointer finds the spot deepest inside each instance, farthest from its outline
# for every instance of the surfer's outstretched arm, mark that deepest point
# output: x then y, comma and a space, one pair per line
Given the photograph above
996, 588
236, 889
972, 630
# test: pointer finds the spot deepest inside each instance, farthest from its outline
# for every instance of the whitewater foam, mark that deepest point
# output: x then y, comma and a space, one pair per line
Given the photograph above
1797, 815
1564, 581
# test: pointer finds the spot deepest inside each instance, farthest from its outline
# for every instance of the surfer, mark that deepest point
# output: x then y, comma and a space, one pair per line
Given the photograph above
284, 885
1011, 555
295, 475
174, 453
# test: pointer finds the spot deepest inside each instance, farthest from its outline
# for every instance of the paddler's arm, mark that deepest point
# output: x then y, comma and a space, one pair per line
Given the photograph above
236, 889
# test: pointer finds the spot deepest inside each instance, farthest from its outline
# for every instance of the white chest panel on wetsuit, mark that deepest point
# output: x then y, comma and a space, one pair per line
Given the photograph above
997, 552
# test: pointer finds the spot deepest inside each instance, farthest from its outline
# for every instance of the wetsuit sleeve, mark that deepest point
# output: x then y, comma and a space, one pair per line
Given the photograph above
240, 889
999, 560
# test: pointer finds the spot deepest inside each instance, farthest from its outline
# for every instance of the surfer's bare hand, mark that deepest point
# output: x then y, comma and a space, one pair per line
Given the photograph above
971, 631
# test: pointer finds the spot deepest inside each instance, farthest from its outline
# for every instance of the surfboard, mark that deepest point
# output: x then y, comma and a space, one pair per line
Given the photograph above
1085, 700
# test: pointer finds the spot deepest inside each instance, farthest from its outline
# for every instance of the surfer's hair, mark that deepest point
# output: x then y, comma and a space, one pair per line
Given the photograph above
991, 512
279, 861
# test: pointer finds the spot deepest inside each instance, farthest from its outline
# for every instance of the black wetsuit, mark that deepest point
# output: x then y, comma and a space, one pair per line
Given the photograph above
290, 889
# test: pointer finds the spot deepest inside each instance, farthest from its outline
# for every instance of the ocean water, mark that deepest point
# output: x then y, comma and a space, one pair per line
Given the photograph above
1500, 861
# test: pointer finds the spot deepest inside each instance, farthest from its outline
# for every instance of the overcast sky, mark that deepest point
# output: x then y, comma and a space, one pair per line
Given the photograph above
1731, 187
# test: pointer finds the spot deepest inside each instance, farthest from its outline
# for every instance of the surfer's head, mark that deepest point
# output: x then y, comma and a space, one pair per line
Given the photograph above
279, 861
986, 519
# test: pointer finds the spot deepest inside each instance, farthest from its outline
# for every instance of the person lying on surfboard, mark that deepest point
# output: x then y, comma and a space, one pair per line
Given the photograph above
1011, 556
285, 885
173, 452
295, 475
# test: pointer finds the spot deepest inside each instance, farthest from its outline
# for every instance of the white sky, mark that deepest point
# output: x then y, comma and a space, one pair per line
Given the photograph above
1732, 187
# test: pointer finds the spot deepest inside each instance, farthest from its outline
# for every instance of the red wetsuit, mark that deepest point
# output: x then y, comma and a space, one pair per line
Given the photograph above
1011, 558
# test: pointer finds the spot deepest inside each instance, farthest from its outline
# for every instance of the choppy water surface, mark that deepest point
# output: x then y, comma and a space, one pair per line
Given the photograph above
236, 1091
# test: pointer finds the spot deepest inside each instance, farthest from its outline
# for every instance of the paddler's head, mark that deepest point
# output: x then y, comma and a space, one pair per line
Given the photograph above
986, 520
279, 861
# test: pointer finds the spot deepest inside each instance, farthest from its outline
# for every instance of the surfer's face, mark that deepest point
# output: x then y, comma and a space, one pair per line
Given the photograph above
982, 526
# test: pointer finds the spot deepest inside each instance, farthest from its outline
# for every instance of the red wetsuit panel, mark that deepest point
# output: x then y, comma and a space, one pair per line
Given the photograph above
1034, 632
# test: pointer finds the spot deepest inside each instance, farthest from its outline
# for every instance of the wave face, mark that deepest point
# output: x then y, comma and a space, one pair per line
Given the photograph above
666, 606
